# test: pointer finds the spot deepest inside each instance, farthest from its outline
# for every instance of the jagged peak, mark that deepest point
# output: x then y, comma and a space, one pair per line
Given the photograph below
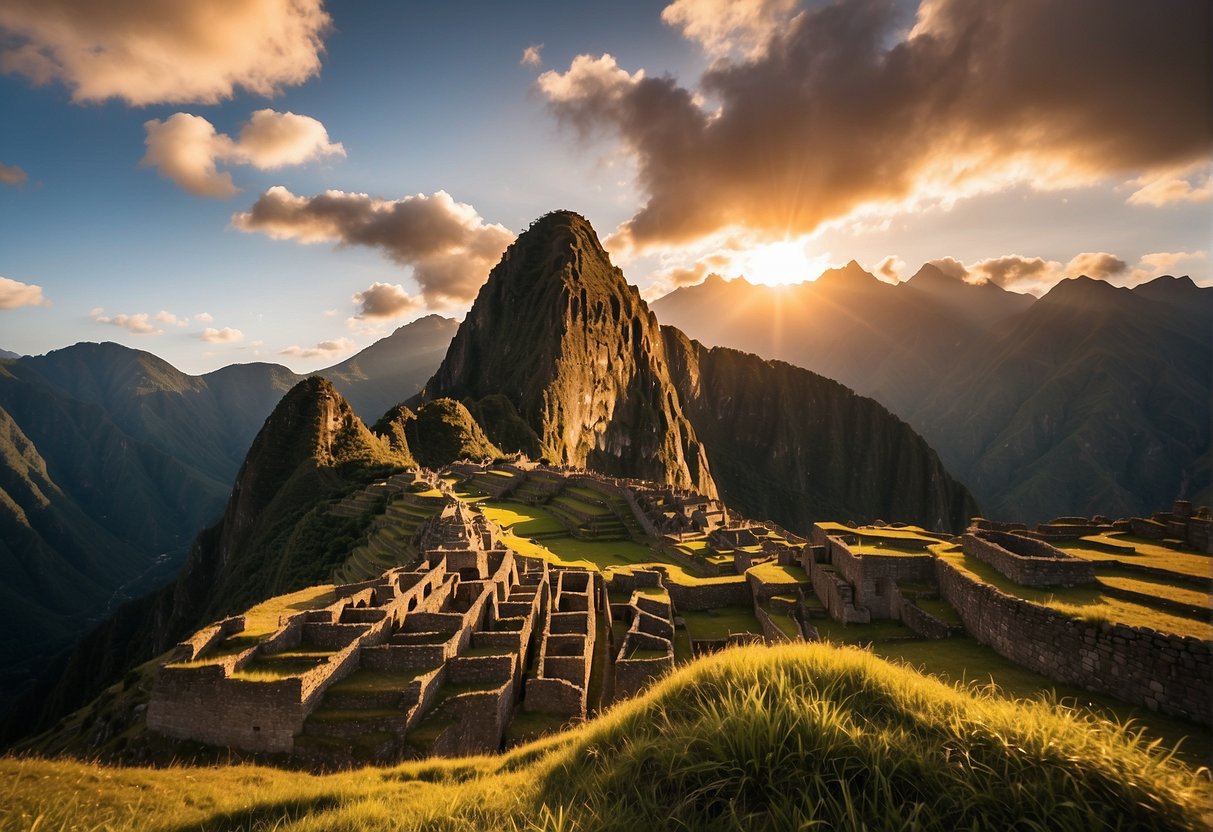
852, 274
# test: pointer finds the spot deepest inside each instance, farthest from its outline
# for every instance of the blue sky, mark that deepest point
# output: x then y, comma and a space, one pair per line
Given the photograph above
424, 98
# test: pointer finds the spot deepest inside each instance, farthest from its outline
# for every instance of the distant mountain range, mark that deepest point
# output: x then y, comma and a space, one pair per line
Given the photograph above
112, 460
1092, 400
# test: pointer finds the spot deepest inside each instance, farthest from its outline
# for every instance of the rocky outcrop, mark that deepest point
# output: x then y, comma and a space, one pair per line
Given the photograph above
792, 446
439, 433
561, 335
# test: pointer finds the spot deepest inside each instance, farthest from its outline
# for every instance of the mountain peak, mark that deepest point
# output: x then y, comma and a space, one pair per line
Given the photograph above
577, 357
852, 275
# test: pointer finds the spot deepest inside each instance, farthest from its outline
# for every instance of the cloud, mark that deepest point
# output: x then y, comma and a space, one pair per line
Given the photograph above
204, 317
385, 300
725, 26
138, 323
151, 51
166, 317
532, 55
220, 336
12, 175
186, 148
890, 269
1164, 262
15, 294
325, 349
1193, 184
1096, 264
448, 245
951, 267
853, 107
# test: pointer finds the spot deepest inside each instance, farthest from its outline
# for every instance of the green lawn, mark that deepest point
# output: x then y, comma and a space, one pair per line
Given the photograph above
719, 623
773, 573
1087, 603
522, 520
1150, 586
375, 681
880, 630
1142, 552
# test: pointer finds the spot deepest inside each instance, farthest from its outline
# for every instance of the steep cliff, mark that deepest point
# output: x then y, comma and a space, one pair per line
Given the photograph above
792, 446
559, 333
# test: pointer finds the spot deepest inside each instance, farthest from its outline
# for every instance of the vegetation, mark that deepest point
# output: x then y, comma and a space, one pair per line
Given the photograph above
1090, 603
754, 738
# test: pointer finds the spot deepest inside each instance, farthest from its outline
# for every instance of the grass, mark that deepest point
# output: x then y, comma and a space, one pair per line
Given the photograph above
719, 623
1155, 587
773, 573
1088, 603
795, 737
375, 681
522, 520
965, 660
877, 631
1143, 552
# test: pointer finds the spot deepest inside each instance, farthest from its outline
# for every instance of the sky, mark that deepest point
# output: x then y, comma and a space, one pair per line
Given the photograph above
227, 181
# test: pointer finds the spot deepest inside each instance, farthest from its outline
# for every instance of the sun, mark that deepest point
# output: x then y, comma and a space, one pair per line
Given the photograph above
780, 263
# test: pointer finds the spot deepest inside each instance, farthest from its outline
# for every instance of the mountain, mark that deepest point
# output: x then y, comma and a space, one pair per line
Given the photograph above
1092, 400
112, 460
890, 342
576, 357
442, 431
789, 444
274, 537
394, 368
6, 355
985, 304
1096, 401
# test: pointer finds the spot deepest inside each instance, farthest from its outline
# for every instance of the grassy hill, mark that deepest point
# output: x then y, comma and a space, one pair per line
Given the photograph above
751, 738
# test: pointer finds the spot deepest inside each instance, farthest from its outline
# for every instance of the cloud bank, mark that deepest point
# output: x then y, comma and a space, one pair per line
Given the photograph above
448, 245
325, 349
186, 148
152, 51
855, 105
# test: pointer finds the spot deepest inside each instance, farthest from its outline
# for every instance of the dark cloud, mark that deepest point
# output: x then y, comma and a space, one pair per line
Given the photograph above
385, 300
447, 243
853, 104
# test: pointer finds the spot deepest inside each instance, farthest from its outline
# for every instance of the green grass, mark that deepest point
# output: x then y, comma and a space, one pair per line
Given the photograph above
1087, 603
877, 631
961, 659
1152, 587
940, 609
375, 681
773, 573
522, 520
1142, 552
719, 623
795, 737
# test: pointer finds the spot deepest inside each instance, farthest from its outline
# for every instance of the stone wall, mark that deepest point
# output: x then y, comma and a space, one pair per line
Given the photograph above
1026, 561
1140, 666
710, 596
922, 622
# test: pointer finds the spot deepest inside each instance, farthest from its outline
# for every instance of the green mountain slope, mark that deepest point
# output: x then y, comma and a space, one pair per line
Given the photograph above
1097, 401
274, 537
791, 445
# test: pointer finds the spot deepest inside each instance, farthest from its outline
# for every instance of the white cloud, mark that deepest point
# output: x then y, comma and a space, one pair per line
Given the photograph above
325, 349
153, 51
166, 317
532, 55
15, 294
890, 269
186, 148
1192, 184
12, 175
138, 323
447, 243
221, 336
724, 26
204, 317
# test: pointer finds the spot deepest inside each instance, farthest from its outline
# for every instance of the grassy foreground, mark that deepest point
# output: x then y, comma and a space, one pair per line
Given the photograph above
792, 737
